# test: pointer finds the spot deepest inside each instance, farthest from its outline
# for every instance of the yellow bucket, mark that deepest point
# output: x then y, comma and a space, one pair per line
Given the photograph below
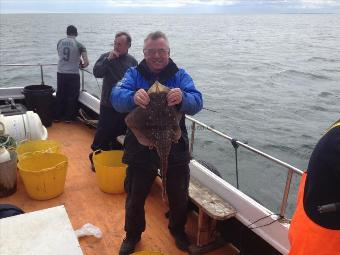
110, 171
28, 147
43, 174
147, 253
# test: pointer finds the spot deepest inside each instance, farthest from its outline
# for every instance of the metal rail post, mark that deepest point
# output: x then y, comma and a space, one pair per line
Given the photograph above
42, 74
235, 145
191, 147
82, 80
286, 193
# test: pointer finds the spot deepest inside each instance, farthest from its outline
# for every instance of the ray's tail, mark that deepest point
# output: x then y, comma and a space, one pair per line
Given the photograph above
164, 169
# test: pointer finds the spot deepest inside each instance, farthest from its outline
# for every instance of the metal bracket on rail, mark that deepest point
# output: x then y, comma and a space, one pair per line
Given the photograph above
235, 145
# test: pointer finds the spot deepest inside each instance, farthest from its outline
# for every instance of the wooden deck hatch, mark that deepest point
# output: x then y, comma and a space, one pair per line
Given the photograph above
211, 208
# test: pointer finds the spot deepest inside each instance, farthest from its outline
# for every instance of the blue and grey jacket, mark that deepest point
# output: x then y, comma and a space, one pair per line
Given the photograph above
139, 77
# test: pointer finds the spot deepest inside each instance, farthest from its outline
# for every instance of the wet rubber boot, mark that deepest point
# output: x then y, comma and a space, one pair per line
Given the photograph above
91, 161
128, 245
181, 240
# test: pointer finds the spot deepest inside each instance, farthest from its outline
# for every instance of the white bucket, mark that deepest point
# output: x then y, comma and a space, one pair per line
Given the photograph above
23, 126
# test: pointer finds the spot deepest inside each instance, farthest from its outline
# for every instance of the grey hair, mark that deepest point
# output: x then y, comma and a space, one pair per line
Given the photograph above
155, 35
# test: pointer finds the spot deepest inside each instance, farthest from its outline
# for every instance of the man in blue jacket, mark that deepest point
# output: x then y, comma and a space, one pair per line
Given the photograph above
142, 162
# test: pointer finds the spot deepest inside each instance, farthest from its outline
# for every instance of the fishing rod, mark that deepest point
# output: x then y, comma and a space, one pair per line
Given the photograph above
93, 76
210, 110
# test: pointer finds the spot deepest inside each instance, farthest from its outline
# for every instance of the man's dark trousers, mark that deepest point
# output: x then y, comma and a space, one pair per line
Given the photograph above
138, 182
68, 86
110, 125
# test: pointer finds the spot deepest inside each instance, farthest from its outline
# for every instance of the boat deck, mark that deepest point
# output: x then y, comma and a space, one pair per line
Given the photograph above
85, 203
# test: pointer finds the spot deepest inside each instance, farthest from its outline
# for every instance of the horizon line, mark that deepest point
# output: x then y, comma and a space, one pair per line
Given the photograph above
200, 13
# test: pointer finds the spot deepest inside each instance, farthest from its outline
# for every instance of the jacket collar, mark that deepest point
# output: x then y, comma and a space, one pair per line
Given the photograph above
170, 70
123, 55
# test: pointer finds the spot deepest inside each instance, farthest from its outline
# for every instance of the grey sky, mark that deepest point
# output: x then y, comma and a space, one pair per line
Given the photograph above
169, 6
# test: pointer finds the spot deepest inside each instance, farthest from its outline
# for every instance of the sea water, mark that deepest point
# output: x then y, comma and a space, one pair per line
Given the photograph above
271, 81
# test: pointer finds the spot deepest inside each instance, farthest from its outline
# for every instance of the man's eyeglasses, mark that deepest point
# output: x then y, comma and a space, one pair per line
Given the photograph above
154, 51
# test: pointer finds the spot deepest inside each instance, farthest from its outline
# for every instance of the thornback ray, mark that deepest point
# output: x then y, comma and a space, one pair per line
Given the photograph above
156, 126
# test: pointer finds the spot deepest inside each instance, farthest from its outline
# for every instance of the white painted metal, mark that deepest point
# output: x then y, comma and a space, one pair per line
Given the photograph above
90, 101
47, 231
13, 92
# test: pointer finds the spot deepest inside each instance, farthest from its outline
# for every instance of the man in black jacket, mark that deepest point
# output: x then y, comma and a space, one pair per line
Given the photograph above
315, 225
111, 66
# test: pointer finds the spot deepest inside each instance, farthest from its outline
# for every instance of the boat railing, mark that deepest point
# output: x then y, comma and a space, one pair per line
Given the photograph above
41, 66
290, 169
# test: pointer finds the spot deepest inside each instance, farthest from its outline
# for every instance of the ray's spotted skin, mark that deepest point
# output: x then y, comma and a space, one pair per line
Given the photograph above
157, 126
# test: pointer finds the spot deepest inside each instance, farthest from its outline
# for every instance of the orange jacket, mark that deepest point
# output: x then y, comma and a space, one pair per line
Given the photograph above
308, 238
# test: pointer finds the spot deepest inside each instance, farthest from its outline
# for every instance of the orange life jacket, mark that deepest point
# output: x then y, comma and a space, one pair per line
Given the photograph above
307, 237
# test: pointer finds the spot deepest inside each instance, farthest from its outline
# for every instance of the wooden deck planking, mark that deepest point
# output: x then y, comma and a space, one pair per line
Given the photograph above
85, 203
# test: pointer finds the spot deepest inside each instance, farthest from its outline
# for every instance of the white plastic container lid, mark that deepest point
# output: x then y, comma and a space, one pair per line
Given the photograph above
4, 155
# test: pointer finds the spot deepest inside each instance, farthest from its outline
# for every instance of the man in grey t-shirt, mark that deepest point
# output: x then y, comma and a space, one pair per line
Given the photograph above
72, 55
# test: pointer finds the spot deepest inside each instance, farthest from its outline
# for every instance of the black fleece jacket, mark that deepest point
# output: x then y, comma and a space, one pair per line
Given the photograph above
323, 180
111, 71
